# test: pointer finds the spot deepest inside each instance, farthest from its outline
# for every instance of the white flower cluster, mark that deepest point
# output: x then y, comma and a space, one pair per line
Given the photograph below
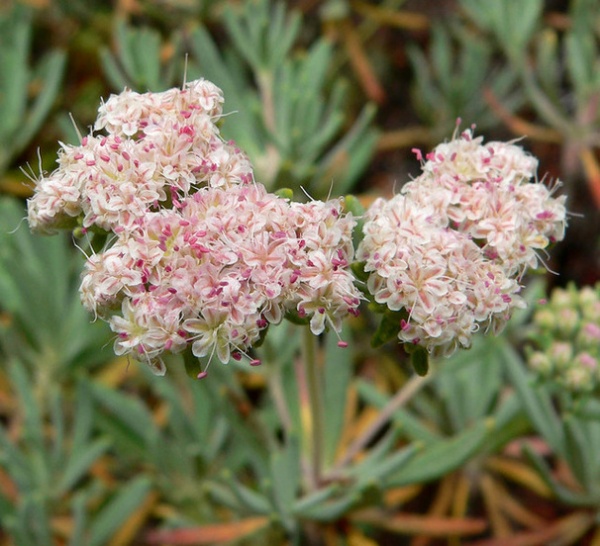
450, 249
158, 146
200, 254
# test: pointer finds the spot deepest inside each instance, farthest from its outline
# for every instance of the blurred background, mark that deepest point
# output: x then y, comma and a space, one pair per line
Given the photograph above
327, 97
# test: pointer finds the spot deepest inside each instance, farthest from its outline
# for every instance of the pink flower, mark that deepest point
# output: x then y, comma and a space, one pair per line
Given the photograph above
217, 269
159, 147
447, 251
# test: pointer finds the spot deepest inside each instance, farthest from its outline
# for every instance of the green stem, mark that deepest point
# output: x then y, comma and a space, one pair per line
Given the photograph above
275, 385
314, 386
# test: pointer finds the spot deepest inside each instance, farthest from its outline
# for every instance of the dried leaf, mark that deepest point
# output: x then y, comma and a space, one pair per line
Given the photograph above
413, 524
519, 472
563, 532
132, 526
207, 534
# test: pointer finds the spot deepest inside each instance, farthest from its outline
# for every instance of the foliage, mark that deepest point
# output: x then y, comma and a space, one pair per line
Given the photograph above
137, 64
43, 317
291, 118
448, 84
27, 91
96, 450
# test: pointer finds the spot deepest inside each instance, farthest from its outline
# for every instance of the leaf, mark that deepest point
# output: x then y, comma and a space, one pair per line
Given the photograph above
387, 329
80, 518
15, 38
580, 453
441, 457
565, 495
147, 56
112, 70
34, 516
48, 74
419, 358
16, 464
314, 499
253, 500
128, 415
263, 33
239, 99
511, 422
33, 423
405, 420
358, 269
39, 279
469, 383
379, 473
351, 153
22, 114
421, 525
330, 510
536, 402
338, 372
547, 64
511, 21
223, 495
285, 193
285, 473
111, 516
79, 463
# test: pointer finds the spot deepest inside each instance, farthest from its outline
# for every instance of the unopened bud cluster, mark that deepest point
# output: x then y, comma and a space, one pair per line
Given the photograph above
566, 331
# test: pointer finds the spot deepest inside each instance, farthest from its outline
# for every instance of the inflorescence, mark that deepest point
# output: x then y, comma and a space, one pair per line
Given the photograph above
450, 249
198, 254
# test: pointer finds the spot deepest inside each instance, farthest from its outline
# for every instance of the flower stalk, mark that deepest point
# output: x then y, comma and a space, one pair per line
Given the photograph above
316, 425
401, 398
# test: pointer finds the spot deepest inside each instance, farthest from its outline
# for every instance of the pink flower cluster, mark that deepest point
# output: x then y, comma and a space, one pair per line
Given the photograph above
159, 146
449, 251
218, 269
200, 255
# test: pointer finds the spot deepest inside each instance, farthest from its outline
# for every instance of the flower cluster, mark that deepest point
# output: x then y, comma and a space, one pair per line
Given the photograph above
200, 254
159, 147
449, 250
567, 334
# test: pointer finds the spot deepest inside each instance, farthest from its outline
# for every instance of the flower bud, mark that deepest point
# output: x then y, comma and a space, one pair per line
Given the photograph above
540, 362
588, 296
587, 361
578, 380
545, 318
561, 298
589, 336
568, 321
561, 354
591, 311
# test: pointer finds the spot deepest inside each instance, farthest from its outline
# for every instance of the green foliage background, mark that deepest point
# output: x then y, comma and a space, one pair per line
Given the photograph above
325, 98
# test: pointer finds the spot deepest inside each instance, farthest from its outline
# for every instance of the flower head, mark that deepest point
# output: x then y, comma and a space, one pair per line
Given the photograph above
448, 251
214, 272
158, 148
199, 254
438, 276
488, 192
